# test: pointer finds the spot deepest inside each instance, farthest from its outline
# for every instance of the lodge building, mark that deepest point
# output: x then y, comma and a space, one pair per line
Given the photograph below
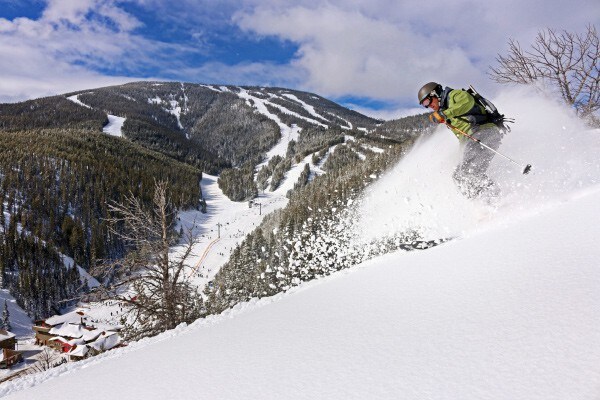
76, 335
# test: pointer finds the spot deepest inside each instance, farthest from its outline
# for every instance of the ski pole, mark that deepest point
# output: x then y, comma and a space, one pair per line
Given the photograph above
526, 169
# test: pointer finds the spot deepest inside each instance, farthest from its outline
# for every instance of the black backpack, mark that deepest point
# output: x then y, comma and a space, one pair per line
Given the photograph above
491, 112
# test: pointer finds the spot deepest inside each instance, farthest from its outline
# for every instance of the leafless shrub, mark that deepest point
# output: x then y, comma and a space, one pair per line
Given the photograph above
151, 280
568, 62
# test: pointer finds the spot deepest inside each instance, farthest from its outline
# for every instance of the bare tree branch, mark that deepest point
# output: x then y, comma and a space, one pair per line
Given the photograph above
151, 280
566, 61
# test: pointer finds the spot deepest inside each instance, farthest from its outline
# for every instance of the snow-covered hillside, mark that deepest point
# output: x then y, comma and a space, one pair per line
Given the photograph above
511, 313
226, 223
510, 309
115, 124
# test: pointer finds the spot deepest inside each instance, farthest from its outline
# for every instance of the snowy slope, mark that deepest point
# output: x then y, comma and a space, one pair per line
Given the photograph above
288, 133
232, 220
19, 320
115, 124
511, 313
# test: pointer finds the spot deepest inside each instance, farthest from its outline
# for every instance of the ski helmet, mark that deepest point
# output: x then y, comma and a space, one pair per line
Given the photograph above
429, 89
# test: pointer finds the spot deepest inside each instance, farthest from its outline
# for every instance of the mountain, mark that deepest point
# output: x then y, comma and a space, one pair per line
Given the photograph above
66, 158
218, 124
207, 126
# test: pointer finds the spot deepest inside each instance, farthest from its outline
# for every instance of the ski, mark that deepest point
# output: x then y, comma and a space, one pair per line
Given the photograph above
423, 244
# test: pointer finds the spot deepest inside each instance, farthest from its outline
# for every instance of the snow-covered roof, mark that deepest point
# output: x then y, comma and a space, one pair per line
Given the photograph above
58, 338
107, 327
73, 342
4, 334
79, 351
73, 317
106, 341
77, 324
69, 330
92, 335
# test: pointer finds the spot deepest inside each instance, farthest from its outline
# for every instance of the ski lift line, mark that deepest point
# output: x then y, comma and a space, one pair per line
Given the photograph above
204, 255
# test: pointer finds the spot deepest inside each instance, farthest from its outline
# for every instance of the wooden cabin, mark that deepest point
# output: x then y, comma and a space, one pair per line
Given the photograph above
42, 327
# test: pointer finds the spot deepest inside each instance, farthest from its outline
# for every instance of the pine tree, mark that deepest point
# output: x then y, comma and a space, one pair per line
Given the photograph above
6, 318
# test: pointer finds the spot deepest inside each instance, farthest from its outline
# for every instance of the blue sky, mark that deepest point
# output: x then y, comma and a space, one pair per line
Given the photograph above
372, 55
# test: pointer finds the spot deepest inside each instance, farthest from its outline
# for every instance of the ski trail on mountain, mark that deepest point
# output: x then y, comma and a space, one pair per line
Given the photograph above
418, 194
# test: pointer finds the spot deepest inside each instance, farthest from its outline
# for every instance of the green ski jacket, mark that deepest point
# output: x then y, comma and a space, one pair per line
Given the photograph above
456, 105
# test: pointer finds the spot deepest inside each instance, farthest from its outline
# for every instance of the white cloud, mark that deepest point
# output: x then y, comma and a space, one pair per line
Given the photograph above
346, 52
57, 82
63, 49
253, 73
387, 49
381, 49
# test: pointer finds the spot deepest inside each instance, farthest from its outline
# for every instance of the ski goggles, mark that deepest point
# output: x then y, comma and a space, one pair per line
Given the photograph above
427, 101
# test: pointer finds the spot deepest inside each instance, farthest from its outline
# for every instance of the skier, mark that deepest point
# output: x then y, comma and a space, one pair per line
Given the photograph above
458, 110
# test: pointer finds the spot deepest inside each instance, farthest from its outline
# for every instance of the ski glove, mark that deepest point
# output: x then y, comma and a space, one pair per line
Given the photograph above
437, 117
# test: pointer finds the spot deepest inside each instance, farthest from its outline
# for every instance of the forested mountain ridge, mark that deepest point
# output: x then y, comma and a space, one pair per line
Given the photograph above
55, 189
50, 112
223, 125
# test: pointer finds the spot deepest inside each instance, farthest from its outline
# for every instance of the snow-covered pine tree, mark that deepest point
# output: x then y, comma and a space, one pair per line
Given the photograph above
6, 318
